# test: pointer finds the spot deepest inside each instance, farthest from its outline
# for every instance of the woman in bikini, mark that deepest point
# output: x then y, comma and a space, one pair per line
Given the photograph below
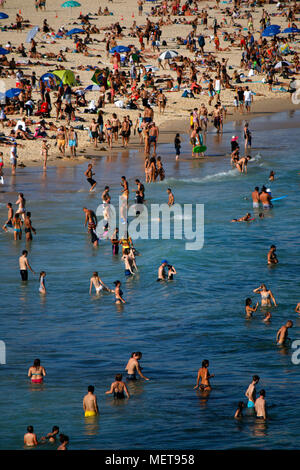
109, 133
203, 374
98, 284
36, 372
266, 296
118, 293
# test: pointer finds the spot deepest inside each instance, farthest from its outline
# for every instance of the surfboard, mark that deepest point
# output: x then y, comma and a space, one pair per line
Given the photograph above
278, 198
199, 148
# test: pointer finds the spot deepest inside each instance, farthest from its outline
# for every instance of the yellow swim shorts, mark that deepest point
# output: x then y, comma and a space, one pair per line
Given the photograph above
88, 414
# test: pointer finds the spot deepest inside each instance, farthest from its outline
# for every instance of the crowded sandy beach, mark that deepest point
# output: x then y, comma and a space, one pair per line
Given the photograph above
109, 111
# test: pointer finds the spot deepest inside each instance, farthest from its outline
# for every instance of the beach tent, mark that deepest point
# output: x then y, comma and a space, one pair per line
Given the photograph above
119, 49
12, 92
49, 78
3, 16
32, 33
66, 76
92, 88
75, 31
168, 55
3, 51
281, 64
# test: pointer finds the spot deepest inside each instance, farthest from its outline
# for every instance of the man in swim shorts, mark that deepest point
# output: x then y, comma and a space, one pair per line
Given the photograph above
10, 215
251, 391
162, 271
24, 266
90, 405
28, 227
89, 176
255, 197
265, 198
282, 333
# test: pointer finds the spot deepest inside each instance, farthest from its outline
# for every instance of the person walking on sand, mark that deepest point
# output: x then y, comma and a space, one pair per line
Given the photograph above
90, 405
72, 141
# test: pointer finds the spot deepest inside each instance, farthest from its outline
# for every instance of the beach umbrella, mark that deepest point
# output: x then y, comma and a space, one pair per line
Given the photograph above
71, 4
12, 92
3, 51
168, 55
291, 31
119, 49
270, 33
75, 31
3, 16
92, 88
32, 33
281, 64
66, 76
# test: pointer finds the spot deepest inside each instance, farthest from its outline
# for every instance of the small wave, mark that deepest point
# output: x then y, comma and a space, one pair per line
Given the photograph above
217, 177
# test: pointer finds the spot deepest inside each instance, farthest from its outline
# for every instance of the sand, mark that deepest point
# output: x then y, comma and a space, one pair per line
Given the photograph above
176, 116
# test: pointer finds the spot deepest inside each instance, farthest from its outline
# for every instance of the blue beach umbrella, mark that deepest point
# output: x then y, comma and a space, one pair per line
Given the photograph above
75, 31
270, 32
3, 51
3, 16
12, 92
291, 31
32, 33
71, 4
119, 49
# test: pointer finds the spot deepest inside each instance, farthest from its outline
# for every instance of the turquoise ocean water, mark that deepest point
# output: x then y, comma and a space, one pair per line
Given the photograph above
83, 340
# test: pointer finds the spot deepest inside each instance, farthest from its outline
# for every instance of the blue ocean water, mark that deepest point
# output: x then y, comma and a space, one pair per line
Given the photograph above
83, 340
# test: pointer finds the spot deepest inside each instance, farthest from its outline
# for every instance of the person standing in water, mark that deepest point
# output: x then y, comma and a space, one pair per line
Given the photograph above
204, 375
272, 258
260, 406
255, 197
17, 225
171, 199
98, 284
118, 293
266, 296
282, 333
42, 288
133, 367
89, 176
251, 391
28, 227
24, 266
90, 405
248, 309
118, 388
10, 216
30, 439
36, 372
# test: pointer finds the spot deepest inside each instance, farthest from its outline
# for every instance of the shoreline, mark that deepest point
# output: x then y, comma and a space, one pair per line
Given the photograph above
167, 129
